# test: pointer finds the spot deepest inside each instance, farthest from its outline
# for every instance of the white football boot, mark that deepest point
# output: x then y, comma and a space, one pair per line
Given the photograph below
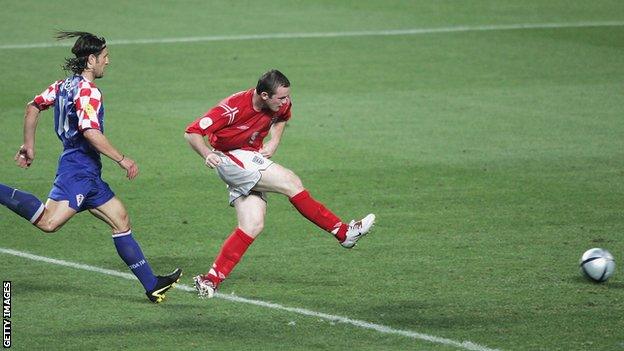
205, 288
357, 230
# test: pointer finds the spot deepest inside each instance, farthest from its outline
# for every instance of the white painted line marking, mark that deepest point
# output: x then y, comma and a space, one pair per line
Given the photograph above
467, 345
413, 31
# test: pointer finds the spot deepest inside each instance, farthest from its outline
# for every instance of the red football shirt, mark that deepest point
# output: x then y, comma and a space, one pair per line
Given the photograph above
234, 124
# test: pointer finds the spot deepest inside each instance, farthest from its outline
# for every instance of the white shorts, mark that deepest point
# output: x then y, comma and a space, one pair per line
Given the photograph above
240, 170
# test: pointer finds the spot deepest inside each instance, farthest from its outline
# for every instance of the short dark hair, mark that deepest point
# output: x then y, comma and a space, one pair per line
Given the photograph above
86, 44
270, 81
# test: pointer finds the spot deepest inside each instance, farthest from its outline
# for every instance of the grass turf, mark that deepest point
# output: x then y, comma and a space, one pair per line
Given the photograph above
492, 159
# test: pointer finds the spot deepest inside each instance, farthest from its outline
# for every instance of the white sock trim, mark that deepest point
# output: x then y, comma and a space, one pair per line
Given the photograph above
34, 218
336, 228
117, 235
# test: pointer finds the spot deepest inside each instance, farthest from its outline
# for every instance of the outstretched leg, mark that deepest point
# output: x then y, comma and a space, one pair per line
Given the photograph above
49, 217
24, 204
284, 181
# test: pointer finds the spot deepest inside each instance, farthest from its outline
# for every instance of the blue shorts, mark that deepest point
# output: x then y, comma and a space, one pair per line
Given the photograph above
83, 190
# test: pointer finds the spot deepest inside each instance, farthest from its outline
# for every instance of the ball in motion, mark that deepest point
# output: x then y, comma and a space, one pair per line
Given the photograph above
597, 264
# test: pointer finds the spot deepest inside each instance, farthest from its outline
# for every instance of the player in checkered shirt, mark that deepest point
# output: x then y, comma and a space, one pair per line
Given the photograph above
78, 186
235, 130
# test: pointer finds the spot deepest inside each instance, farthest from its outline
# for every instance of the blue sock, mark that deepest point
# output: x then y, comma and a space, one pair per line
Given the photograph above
130, 252
21, 202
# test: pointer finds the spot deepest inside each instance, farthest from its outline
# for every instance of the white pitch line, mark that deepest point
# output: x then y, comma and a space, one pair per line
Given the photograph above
467, 345
413, 31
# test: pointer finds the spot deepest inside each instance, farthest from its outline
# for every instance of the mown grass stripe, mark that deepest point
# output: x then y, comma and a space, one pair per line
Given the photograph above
412, 31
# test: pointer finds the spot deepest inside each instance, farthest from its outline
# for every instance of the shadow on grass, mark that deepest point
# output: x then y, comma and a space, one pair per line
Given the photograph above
608, 284
72, 292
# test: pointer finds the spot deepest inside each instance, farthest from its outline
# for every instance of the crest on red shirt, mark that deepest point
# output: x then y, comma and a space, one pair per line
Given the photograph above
229, 112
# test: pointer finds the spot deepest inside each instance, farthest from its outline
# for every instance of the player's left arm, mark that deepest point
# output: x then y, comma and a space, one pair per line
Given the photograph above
276, 132
88, 103
101, 143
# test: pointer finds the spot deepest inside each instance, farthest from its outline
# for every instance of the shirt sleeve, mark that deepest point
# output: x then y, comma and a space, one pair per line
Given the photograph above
47, 97
217, 118
88, 102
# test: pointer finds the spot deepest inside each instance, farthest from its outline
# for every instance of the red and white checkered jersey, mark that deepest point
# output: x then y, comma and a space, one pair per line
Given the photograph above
48, 96
76, 92
234, 124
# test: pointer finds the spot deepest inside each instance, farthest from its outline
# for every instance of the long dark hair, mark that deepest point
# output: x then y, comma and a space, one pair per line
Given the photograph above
86, 44
270, 81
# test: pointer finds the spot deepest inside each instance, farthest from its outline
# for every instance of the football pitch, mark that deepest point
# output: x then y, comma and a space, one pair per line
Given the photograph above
486, 136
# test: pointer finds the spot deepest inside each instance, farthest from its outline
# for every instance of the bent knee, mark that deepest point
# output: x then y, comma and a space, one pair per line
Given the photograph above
293, 184
49, 226
123, 223
252, 229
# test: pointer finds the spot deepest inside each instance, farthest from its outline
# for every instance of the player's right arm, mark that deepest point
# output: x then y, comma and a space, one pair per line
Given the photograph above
196, 131
26, 153
197, 143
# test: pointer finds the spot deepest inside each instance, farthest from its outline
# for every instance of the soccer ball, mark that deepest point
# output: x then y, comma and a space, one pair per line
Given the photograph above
597, 264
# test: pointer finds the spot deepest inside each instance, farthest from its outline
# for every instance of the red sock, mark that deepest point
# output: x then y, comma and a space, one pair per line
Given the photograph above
318, 214
233, 249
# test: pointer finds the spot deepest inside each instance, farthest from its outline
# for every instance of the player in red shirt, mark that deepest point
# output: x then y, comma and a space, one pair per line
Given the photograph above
235, 129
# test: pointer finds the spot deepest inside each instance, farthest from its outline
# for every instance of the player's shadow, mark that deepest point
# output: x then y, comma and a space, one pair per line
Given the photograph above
79, 291
417, 315
189, 319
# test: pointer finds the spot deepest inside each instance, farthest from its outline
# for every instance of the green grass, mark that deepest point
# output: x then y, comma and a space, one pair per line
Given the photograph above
492, 159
